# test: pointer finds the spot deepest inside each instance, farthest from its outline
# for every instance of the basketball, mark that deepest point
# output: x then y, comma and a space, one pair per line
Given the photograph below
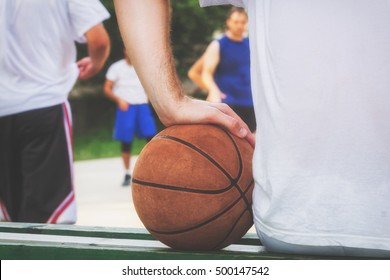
192, 187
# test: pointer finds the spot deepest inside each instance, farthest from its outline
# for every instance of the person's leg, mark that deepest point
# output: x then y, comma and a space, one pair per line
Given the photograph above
44, 193
126, 154
10, 171
126, 157
66, 211
124, 132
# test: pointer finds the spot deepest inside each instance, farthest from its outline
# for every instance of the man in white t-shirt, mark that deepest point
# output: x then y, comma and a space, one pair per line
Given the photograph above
320, 81
38, 68
133, 116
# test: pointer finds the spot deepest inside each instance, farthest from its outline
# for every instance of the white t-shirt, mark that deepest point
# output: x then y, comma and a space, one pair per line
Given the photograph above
127, 86
321, 88
37, 50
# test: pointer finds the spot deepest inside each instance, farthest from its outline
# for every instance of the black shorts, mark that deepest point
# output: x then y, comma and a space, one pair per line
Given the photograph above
247, 114
36, 168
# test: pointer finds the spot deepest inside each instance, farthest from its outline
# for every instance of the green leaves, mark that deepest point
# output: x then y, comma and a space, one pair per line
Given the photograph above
191, 31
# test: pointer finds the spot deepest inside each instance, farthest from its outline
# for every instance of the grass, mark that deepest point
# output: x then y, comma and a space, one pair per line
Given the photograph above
93, 122
98, 143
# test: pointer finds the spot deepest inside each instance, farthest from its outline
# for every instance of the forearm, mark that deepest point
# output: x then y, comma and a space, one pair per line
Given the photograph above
195, 77
214, 92
208, 80
195, 74
109, 93
210, 64
98, 46
144, 27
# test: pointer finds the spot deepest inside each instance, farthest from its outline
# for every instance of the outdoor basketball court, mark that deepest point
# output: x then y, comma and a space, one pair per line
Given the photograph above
101, 199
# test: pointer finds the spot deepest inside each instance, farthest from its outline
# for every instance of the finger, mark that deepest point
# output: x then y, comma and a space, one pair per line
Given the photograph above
232, 124
81, 63
229, 111
83, 75
251, 139
247, 134
214, 113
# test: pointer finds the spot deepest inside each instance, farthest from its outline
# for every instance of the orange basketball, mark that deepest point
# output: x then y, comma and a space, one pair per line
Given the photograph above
192, 187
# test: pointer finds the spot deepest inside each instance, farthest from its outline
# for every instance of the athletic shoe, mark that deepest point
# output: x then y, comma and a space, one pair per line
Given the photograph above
126, 181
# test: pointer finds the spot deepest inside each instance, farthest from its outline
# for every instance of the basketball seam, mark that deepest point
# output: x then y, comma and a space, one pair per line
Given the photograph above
209, 158
231, 230
243, 196
207, 221
183, 189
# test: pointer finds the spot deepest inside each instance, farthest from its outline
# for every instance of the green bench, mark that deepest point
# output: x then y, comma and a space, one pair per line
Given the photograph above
70, 242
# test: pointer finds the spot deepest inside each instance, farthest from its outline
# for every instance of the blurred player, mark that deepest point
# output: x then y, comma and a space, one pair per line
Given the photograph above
134, 116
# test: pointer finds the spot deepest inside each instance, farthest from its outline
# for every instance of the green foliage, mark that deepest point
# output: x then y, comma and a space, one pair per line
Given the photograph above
191, 31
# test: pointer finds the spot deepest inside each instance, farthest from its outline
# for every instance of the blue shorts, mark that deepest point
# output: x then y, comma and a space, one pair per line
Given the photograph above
137, 120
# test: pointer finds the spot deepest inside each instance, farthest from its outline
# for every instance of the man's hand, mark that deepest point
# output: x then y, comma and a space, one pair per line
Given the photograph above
86, 68
123, 105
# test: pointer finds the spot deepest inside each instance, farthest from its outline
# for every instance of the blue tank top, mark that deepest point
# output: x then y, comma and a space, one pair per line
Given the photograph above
233, 72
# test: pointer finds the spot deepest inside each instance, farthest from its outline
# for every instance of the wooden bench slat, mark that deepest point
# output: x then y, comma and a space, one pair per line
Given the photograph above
32, 246
42, 241
107, 232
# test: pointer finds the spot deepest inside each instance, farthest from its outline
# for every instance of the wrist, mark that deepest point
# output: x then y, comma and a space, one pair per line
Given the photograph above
168, 109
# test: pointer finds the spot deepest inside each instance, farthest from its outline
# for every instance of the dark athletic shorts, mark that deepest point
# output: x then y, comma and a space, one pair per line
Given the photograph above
36, 169
247, 114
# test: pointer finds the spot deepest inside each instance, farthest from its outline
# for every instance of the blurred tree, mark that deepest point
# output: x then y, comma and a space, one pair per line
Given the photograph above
191, 31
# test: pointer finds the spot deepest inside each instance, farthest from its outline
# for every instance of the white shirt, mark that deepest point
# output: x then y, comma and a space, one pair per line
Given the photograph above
37, 50
127, 86
321, 88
